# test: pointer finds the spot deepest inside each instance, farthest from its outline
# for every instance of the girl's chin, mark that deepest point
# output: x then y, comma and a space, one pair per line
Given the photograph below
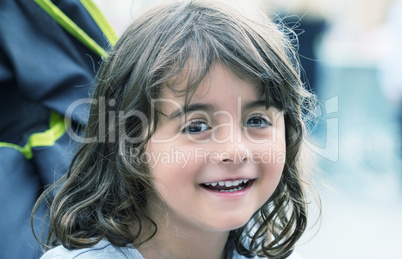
229, 225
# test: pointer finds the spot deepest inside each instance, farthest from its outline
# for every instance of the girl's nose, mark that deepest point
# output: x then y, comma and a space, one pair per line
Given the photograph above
233, 148
235, 158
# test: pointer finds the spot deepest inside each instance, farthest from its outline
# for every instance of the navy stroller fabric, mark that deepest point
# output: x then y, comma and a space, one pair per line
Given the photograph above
43, 70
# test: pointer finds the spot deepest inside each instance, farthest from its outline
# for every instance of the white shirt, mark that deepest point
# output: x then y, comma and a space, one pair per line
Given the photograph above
105, 250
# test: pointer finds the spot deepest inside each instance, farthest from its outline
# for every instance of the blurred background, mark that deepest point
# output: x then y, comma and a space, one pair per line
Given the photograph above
351, 53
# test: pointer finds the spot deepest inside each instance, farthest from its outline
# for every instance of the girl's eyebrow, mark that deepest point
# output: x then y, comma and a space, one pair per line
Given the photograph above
208, 108
255, 104
191, 108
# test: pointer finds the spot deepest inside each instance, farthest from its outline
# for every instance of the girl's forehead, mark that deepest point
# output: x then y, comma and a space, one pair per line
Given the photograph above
219, 83
190, 83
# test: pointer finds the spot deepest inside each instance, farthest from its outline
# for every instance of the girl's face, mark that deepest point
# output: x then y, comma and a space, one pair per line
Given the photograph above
219, 161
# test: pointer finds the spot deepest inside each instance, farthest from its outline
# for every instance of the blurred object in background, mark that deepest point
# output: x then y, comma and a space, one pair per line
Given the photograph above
390, 63
360, 182
308, 20
120, 13
49, 54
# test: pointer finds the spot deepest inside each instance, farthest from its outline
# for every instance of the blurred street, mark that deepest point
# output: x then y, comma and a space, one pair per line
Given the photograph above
361, 190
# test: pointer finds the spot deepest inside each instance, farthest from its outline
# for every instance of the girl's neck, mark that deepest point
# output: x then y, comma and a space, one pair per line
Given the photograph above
172, 241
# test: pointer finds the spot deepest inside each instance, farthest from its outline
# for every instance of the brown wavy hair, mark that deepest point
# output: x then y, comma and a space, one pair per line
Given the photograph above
104, 193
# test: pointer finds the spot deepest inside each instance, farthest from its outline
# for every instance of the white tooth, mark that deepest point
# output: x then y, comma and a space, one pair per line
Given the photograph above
245, 181
231, 190
214, 184
207, 183
228, 183
237, 182
221, 183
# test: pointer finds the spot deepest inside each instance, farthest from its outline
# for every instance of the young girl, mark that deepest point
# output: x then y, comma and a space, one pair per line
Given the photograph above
193, 144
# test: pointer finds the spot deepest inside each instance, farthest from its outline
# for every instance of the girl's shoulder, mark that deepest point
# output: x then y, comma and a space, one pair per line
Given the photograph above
102, 250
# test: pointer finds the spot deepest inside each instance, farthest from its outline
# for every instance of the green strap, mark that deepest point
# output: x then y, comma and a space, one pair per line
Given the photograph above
100, 20
76, 31
26, 150
56, 124
46, 138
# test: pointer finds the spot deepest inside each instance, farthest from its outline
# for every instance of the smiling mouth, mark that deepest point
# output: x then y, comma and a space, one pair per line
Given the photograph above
228, 186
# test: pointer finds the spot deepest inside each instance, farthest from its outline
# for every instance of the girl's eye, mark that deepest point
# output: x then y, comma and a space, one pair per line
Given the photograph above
196, 127
258, 122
